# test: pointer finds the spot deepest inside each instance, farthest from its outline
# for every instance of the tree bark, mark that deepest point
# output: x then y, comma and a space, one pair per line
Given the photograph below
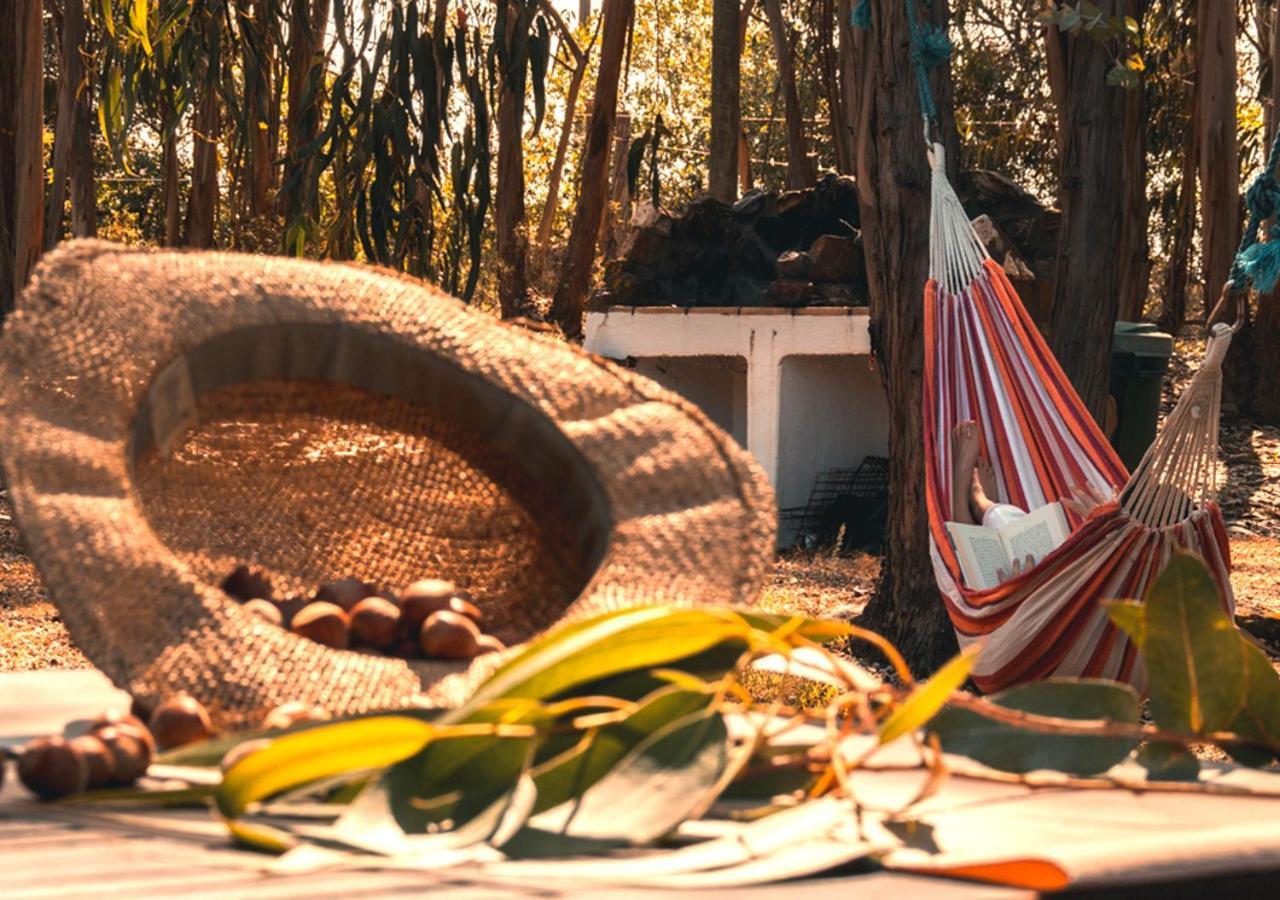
511, 230
849, 54
580, 59
170, 191
893, 189
202, 201
1086, 293
575, 279
1135, 257
71, 141
1176, 284
726, 101
21, 145
308, 20
259, 66
1216, 134
800, 167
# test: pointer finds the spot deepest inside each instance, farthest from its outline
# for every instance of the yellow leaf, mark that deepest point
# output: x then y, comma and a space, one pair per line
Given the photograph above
927, 699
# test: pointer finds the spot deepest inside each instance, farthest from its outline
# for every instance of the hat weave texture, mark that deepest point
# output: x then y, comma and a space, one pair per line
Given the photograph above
167, 415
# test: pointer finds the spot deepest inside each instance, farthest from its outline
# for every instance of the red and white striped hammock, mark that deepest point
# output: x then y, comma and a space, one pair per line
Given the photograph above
985, 360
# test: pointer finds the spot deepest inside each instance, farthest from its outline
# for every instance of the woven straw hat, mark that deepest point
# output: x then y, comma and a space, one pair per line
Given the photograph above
167, 415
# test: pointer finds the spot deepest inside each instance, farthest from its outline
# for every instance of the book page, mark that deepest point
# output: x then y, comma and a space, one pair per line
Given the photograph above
981, 554
1037, 535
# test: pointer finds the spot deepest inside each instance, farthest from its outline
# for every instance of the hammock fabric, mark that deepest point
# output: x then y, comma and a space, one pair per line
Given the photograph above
985, 360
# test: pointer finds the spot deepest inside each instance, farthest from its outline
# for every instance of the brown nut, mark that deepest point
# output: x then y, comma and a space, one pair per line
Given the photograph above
422, 598
449, 635
97, 757
130, 754
245, 584
52, 768
130, 721
295, 712
240, 751
374, 621
344, 593
267, 610
323, 623
487, 643
180, 720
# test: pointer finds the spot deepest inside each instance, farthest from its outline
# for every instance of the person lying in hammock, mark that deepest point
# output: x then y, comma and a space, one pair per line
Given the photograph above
973, 485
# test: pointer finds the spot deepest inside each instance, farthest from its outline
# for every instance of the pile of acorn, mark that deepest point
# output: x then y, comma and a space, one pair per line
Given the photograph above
118, 748
431, 618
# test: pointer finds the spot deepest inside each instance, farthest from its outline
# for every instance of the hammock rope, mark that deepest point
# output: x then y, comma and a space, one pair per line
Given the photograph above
986, 361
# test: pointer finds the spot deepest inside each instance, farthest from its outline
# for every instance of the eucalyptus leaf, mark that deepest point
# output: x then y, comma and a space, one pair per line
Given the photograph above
1012, 749
928, 698
1195, 657
1167, 762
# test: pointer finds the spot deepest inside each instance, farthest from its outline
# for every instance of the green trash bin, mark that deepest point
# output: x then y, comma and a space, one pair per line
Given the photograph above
1139, 359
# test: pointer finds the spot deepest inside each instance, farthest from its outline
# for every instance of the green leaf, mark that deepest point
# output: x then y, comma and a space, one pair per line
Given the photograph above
1012, 749
1260, 718
630, 639
666, 778
1195, 657
138, 21
1168, 762
928, 698
308, 756
108, 17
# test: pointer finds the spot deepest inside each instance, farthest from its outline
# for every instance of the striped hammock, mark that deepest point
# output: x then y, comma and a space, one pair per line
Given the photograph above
986, 361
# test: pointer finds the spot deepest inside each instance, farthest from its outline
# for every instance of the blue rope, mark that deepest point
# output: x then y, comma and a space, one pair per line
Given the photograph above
1259, 263
930, 47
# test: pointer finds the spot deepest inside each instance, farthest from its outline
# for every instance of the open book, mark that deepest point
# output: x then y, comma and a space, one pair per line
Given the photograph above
982, 551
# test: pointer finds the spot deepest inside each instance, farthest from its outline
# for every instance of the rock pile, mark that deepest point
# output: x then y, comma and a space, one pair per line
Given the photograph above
798, 248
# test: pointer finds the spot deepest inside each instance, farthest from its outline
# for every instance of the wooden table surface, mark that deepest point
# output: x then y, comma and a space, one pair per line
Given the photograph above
51, 852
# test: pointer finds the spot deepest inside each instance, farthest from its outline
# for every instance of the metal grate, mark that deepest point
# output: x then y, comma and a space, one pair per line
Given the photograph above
853, 500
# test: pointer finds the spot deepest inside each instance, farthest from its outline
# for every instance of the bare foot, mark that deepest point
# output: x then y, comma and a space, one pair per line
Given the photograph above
982, 489
964, 457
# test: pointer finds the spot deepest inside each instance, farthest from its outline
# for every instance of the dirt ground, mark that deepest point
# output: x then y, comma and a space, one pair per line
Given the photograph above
32, 635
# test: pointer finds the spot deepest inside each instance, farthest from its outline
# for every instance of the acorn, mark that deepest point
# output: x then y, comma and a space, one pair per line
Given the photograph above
130, 722
240, 751
180, 720
374, 621
52, 768
449, 635
422, 598
324, 623
267, 610
295, 712
97, 757
130, 754
344, 593
247, 584
487, 643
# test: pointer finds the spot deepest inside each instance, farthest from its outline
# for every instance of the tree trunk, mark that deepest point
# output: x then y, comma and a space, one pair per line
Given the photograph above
562, 152
746, 180
617, 211
575, 279
1086, 293
1177, 280
259, 66
70, 75
170, 191
511, 231
21, 145
850, 52
893, 190
308, 20
1216, 134
800, 168
202, 201
726, 102
1135, 257
836, 114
